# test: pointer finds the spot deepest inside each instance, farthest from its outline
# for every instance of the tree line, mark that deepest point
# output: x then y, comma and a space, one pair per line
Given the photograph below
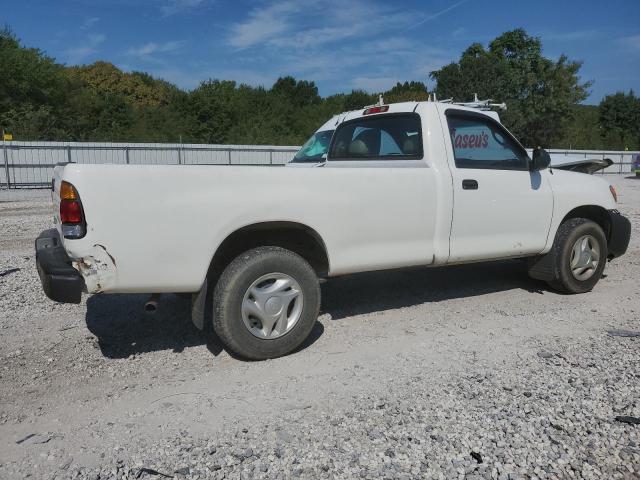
41, 99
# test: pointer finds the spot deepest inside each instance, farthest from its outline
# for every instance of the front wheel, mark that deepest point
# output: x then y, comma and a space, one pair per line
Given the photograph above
265, 303
580, 254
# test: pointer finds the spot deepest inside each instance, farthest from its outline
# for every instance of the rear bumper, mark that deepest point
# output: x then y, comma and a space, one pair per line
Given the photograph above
620, 234
60, 281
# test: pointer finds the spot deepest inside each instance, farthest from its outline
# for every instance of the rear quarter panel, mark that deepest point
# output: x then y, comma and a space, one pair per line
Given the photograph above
160, 225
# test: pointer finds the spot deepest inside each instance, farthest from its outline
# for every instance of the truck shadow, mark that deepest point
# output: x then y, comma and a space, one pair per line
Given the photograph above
123, 329
378, 291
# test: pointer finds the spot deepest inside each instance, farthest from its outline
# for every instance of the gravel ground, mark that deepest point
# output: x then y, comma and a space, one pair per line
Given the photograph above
466, 372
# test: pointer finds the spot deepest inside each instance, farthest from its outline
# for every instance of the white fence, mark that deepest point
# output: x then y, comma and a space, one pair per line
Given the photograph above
622, 160
30, 164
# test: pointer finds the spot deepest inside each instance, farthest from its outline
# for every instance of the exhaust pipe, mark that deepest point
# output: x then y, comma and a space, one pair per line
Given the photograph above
151, 305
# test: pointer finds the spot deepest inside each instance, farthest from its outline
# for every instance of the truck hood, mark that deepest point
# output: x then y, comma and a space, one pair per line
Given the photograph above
583, 166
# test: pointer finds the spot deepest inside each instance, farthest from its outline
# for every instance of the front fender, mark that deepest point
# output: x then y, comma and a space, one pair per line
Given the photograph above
572, 190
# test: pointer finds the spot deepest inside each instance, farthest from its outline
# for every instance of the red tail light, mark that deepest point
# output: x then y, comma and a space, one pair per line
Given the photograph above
378, 109
71, 213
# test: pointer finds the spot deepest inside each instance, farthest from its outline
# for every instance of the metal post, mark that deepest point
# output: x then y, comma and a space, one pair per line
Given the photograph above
229, 156
180, 155
126, 154
69, 153
622, 159
270, 157
6, 160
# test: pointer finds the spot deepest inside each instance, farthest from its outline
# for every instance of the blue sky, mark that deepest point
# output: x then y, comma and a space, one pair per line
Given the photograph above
340, 44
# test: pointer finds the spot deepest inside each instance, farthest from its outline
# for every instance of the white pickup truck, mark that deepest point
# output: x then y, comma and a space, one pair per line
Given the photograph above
407, 184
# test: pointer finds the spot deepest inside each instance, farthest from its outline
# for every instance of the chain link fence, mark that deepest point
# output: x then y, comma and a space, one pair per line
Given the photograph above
30, 164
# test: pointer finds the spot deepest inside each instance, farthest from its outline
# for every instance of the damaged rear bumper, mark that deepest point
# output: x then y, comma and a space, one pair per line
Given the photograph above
60, 281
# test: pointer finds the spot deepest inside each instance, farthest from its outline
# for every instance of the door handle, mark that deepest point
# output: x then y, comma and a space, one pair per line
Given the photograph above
469, 184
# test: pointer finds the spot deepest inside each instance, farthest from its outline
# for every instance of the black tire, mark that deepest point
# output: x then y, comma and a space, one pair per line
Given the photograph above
568, 233
230, 290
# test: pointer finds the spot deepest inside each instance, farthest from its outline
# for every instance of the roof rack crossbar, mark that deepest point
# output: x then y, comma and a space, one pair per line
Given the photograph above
479, 104
484, 105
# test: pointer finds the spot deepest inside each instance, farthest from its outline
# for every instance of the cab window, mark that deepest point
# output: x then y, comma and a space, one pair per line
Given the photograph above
315, 148
483, 143
383, 137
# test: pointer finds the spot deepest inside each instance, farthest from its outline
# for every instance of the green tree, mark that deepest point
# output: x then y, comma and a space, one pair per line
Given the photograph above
584, 132
137, 88
297, 93
619, 117
212, 105
43, 100
358, 99
34, 91
538, 91
406, 92
28, 122
100, 116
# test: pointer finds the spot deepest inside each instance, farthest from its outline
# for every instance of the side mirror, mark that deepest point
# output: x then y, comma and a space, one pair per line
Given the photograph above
540, 159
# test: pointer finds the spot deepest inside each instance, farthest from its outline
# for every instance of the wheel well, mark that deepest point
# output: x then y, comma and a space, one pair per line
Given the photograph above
296, 237
594, 213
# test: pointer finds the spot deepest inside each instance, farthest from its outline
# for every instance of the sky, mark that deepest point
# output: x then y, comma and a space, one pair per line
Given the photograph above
339, 44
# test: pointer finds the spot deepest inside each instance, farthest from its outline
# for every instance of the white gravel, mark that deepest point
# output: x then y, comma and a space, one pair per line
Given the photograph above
467, 372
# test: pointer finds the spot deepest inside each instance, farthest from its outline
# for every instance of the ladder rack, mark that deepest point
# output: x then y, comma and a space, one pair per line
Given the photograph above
476, 103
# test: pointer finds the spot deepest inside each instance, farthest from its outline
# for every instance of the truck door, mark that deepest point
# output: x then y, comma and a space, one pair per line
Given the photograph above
382, 207
501, 209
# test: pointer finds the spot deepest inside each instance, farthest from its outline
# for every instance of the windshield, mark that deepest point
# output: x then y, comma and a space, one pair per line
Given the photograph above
314, 148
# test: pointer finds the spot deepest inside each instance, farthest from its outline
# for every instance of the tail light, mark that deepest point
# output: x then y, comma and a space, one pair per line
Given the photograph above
376, 109
614, 194
71, 213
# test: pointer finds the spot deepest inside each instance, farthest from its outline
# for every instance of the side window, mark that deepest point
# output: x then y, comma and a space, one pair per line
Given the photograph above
314, 148
383, 137
482, 143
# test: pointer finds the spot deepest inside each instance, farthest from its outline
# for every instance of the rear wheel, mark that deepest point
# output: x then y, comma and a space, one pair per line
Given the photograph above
580, 251
265, 303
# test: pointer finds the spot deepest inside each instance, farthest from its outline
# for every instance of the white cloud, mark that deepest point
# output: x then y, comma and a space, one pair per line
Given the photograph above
433, 16
77, 55
263, 24
89, 22
288, 24
152, 48
173, 7
354, 44
392, 44
458, 32
633, 42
